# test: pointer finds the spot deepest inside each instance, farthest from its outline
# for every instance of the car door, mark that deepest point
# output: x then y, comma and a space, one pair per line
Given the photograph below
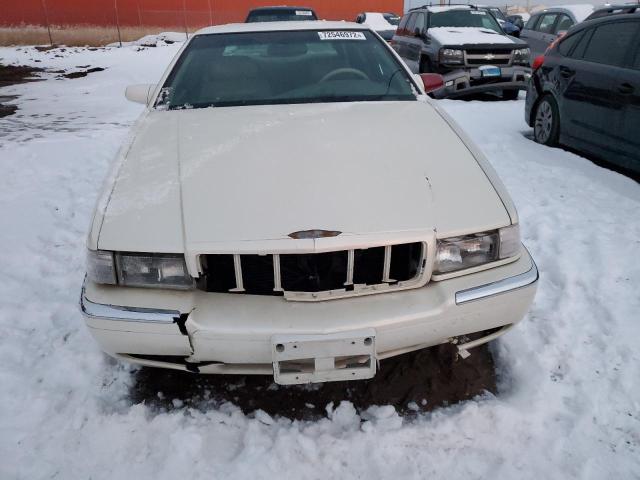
404, 33
398, 41
529, 33
564, 23
591, 110
628, 86
411, 43
416, 41
533, 34
545, 31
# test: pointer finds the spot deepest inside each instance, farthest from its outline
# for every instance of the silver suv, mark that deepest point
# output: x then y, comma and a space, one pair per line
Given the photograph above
467, 46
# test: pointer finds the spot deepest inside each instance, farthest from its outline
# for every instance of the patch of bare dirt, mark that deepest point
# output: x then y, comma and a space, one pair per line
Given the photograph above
413, 382
82, 73
13, 74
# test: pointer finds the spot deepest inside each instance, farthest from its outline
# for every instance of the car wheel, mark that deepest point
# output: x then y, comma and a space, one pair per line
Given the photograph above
546, 124
510, 94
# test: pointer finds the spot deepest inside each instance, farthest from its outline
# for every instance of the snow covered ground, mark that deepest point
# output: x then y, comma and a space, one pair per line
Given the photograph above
569, 401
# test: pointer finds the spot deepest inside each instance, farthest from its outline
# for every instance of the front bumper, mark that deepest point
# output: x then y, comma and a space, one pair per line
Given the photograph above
227, 333
469, 81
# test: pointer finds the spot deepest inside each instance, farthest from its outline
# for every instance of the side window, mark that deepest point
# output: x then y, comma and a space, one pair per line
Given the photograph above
610, 43
567, 43
411, 25
547, 22
564, 23
420, 22
578, 51
402, 25
531, 23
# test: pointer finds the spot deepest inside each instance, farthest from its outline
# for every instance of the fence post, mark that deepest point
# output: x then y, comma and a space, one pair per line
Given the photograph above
46, 20
115, 4
184, 18
211, 13
139, 14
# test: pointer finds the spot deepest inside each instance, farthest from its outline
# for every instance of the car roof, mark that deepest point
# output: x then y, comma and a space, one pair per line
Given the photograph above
281, 27
618, 8
279, 7
604, 19
445, 8
578, 11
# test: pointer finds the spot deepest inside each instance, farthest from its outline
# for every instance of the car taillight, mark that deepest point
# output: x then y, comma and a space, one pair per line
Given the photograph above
538, 62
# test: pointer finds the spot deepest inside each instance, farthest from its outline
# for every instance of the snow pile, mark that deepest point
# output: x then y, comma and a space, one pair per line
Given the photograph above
377, 22
569, 393
155, 40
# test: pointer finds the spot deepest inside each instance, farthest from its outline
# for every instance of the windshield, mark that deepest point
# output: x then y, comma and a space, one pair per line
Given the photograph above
280, 15
265, 68
464, 18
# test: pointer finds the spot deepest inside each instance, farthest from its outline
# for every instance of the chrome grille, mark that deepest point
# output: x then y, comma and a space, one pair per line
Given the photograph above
475, 57
316, 276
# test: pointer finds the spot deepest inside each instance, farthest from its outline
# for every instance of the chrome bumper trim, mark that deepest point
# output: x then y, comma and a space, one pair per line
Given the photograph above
126, 314
501, 286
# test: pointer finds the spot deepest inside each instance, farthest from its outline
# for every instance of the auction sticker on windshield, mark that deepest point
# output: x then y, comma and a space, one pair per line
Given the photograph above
305, 13
341, 35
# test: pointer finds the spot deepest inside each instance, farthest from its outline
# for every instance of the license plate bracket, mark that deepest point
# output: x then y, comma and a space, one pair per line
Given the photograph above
300, 359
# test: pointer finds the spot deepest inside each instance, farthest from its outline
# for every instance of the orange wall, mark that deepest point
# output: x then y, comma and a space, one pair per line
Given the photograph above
169, 13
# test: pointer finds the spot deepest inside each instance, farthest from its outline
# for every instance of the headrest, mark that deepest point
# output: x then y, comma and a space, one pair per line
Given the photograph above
229, 68
286, 49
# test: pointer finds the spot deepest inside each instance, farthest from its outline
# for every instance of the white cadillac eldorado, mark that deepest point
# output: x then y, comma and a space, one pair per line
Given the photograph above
291, 203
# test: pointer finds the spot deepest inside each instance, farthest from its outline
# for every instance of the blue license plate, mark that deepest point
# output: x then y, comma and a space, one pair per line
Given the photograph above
490, 71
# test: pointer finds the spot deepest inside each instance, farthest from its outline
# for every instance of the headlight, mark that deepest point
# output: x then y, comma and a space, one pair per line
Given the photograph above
138, 269
100, 267
521, 56
459, 253
451, 56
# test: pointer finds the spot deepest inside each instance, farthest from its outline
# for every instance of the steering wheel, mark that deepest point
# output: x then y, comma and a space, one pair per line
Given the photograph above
343, 71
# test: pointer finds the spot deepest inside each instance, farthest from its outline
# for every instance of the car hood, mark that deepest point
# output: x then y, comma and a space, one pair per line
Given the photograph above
242, 178
468, 36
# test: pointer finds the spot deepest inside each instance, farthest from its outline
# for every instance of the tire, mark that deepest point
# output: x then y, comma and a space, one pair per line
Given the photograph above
425, 65
546, 121
510, 94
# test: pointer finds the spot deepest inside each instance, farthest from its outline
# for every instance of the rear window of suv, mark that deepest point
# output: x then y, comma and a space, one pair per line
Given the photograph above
281, 15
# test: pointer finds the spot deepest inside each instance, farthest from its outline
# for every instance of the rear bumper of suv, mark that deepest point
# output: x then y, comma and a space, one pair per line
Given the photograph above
227, 333
466, 82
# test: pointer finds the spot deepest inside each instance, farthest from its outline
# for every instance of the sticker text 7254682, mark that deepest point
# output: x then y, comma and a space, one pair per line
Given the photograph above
341, 35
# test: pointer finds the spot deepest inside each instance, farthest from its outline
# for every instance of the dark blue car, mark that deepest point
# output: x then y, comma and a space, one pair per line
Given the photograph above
585, 91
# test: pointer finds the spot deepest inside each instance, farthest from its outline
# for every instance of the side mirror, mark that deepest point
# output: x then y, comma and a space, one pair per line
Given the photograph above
432, 82
417, 33
140, 93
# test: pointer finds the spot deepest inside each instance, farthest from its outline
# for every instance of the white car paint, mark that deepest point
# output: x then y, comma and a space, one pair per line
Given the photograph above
191, 161
240, 179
